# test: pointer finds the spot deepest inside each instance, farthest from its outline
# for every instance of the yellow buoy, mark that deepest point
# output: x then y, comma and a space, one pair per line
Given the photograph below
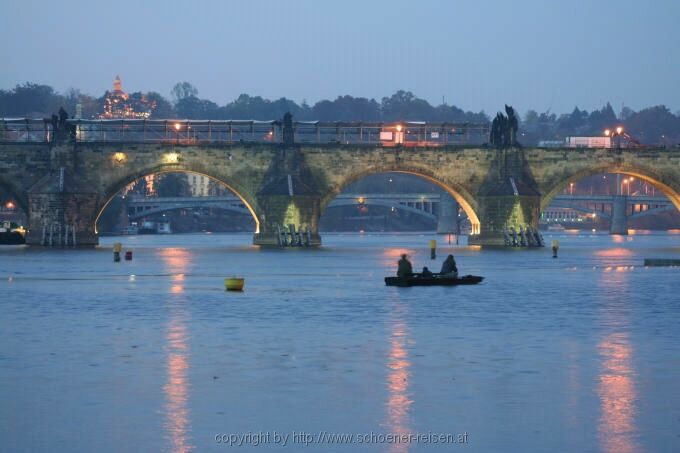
234, 283
117, 247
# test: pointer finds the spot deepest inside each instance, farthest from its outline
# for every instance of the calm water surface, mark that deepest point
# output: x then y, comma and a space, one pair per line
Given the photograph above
574, 354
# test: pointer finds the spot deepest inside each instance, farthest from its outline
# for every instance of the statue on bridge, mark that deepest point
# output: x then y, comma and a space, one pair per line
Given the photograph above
288, 130
504, 129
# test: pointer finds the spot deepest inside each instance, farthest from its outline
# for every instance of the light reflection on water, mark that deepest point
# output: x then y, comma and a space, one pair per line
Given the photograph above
616, 390
616, 382
399, 398
176, 388
490, 358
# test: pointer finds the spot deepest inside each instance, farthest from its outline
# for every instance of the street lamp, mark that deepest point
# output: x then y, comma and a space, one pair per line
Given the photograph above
571, 188
626, 182
177, 128
614, 133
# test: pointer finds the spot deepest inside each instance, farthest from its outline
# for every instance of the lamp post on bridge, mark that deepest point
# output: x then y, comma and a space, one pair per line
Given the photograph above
612, 134
177, 128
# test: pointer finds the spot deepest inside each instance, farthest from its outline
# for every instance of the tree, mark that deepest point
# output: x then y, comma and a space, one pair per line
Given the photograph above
602, 119
347, 108
29, 99
194, 108
161, 108
183, 90
404, 105
173, 185
654, 125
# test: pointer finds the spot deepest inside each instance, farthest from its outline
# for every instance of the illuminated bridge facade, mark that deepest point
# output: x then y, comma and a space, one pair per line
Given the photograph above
289, 174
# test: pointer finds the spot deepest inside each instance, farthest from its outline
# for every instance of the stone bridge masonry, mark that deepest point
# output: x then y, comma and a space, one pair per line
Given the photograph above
70, 184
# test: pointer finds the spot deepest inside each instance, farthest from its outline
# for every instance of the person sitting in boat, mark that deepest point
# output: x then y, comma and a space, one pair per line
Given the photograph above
449, 268
404, 268
426, 272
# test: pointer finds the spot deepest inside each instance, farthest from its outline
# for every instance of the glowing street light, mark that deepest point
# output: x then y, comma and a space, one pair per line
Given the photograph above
10, 205
119, 157
171, 158
626, 181
399, 127
619, 130
177, 128
571, 188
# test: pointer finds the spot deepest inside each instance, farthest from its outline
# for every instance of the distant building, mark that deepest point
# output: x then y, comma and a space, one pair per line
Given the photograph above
589, 142
199, 185
118, 104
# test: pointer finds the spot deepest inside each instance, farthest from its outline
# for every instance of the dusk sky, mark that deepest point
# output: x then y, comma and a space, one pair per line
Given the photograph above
539, 54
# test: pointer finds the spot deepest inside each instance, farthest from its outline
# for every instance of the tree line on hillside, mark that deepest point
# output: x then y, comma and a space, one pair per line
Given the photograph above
654, 125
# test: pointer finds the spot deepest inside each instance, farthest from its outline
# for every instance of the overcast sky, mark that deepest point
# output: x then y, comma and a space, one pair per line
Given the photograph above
477, 54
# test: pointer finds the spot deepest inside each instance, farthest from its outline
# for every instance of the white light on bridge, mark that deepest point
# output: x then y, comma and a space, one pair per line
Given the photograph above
119, 157
171, 158
177, 126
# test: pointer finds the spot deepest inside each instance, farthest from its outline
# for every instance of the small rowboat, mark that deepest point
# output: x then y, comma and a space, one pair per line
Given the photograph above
435, 280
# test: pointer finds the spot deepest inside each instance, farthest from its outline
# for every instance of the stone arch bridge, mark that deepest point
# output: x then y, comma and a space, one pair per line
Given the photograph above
70, 184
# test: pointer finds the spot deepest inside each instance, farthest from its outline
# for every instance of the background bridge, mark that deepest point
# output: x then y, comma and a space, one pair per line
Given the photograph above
428, 205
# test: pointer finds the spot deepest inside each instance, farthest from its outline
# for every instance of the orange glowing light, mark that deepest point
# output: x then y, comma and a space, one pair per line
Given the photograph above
617, 395
10, 205
619, 130
177, 126
361, 200
171, 158
399, 127
607, 132
399, 401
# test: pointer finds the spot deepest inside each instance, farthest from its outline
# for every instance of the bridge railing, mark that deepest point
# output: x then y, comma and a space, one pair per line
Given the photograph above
25, 130
175, 131
188, 132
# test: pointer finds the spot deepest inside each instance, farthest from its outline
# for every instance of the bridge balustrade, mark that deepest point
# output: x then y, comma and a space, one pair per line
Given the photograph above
189, 132
25, 130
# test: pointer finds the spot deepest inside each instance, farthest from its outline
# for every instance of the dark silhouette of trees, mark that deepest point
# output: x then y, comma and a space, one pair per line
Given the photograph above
193, 108
29, 99
653, 125
347, 108
183, 90
172, 185
162, 109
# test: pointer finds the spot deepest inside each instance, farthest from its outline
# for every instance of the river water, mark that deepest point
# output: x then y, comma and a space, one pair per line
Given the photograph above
578, 353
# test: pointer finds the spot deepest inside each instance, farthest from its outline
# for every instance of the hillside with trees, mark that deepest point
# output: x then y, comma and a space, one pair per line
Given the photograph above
655, 125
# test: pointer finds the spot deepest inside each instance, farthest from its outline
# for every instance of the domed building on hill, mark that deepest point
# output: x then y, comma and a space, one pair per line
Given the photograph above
117, 104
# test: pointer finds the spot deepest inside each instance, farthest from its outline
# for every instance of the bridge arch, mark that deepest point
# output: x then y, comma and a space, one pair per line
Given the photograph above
669, 187
458, 192
114, 188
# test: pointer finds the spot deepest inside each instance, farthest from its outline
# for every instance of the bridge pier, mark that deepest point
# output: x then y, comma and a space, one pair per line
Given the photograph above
61, 212
447, 218
282, 211
287, 200
500, 213
619, 223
